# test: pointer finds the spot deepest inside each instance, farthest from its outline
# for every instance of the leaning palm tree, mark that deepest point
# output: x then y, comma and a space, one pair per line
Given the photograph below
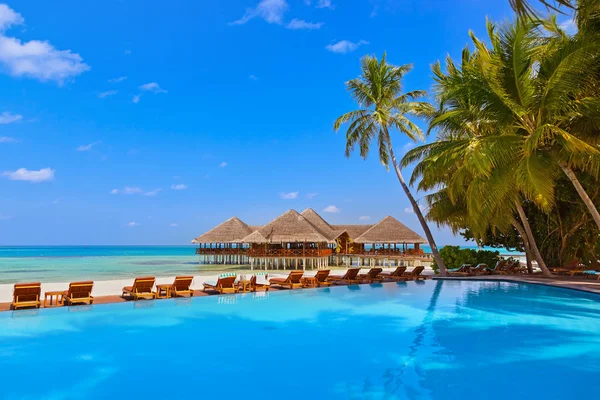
384, 107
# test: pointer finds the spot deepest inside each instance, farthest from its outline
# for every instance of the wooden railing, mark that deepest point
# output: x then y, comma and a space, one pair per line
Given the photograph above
386, 252
291, 253
222, 252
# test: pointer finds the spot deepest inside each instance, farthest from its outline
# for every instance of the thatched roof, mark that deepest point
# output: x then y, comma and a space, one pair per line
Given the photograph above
353, 231
318, 222
231, 231
389, 230
289, 227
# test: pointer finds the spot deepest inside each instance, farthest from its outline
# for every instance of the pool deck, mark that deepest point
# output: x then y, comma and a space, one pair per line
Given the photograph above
576, 283
570, 282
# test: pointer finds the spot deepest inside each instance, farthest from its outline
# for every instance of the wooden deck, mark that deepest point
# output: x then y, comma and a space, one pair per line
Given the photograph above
569, 282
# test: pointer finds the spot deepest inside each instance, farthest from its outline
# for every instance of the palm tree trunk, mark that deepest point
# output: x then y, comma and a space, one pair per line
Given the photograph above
526, 245
415, 205
582, 193
529, 234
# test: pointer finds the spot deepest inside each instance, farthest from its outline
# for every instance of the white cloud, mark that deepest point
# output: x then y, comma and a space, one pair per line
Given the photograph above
8, 139
345, 46
9, 17
108, 93
152, 193
253, 77
173, 225
8, 118
296, 24
35, 59
223, 164
117, 80
410, 210
325, 4
133, 223
408, 146
271, 11
331, 209
128, 190
23, 174
87, 147
179, 186
136, 98
364, 218
289, 196
311, 195
569, 26
152, 87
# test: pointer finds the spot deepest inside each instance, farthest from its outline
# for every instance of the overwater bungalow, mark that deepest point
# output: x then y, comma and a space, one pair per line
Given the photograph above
306, 240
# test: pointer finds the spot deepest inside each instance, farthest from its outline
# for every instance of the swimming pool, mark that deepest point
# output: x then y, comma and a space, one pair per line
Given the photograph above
427, 340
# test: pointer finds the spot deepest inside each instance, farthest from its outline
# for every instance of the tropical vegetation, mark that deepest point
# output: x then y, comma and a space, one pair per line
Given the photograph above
454, 257
516, 160
518, 125
385, 108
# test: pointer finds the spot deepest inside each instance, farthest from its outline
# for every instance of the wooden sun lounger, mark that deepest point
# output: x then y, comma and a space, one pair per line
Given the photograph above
372, 275
224, 285
480, 269
397, 274
464, 270
293, 281
79, 292
321, 276
351, 276
27, 295
255, 285
182, 285
415, 274
141, 289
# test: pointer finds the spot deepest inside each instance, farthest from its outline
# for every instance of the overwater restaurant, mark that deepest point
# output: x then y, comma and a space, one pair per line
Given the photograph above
306, 241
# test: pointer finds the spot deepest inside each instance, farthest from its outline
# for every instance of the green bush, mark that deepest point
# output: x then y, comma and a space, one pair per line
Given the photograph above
454, 257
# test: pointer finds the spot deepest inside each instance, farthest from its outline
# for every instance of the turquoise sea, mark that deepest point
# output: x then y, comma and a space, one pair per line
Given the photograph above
68, 263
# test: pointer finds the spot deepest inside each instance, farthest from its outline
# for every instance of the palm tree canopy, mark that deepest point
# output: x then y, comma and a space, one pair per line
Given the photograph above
383, 106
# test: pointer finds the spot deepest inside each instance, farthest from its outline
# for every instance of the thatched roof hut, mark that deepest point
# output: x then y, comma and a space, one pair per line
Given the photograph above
231, 231
389, 230
290, 227
353, 231
318, 222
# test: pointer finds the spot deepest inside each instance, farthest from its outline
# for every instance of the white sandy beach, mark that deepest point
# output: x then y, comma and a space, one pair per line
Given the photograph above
114, 287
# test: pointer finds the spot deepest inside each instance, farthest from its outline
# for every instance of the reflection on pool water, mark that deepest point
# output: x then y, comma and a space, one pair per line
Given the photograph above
427, 340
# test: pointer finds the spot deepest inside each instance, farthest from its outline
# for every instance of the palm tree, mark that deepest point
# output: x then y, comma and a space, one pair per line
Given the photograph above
474, 160
384, 107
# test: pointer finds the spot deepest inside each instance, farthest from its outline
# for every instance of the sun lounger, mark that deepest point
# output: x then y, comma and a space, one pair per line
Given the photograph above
225, 284
480, 269
293, 281
79, 292
464, 270
415, 274
182, 285
592, 274
27, 295
321, 276
351, 276
141, 289
372, 275
500, 268
397, 274
259, 281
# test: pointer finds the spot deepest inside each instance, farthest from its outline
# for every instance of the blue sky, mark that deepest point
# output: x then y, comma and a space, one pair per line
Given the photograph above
145, 122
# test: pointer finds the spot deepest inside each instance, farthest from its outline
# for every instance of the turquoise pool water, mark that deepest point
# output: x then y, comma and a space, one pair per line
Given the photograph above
427, 340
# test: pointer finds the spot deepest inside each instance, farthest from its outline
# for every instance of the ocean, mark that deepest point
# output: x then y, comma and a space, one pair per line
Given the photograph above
71, 263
